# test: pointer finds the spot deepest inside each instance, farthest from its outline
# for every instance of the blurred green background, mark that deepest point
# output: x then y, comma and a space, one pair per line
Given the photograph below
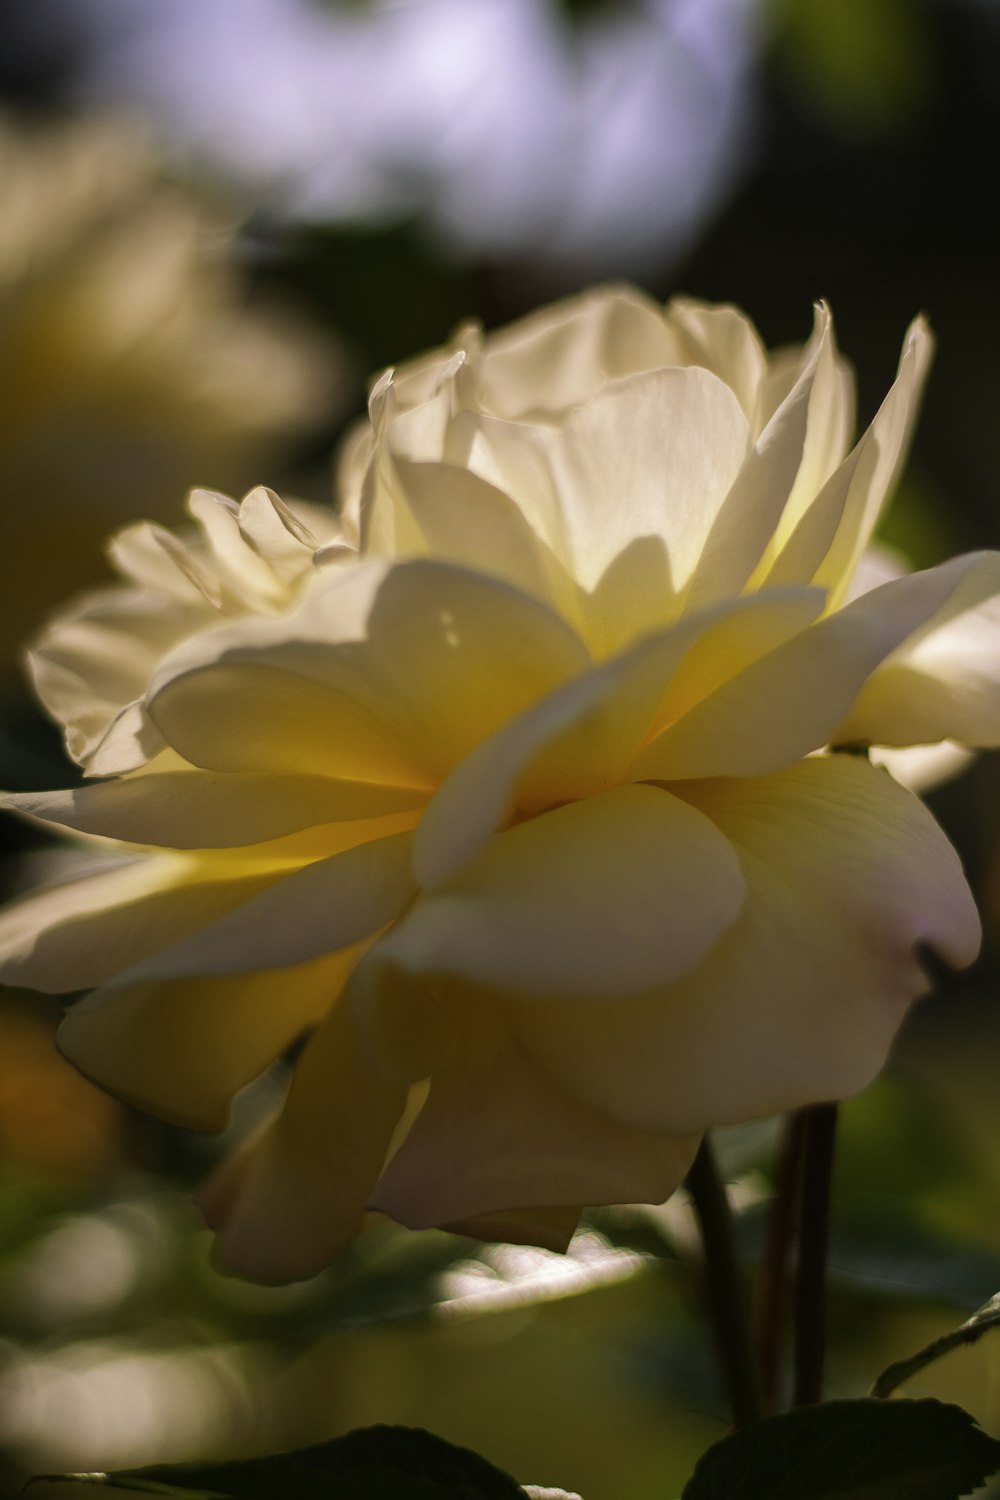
217, 220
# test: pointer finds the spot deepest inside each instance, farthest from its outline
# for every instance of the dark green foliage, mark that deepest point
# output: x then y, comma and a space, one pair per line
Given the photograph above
850, 1450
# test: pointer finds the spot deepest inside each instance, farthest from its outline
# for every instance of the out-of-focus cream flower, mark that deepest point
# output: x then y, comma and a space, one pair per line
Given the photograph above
522, 812
131, 366
91, 666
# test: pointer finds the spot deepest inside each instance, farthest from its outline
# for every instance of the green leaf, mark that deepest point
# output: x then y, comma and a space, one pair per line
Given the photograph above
373, 1463
850, 1450
969, 1332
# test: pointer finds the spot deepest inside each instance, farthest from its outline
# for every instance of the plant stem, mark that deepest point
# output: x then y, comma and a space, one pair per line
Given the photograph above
820, 1126
724, 1283
776, 1254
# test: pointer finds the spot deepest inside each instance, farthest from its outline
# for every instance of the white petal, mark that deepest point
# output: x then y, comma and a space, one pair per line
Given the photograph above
608, 895
944, 681
441, 657
798, 1002
182, 1048
834, 531
328, 904
722, 339
295, 1196
198, 810
763, 489
82, 933
583, 737
797, 698
496, 1134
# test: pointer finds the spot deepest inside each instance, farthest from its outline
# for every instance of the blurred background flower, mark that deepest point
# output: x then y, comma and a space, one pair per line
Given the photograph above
130, 365
381, 172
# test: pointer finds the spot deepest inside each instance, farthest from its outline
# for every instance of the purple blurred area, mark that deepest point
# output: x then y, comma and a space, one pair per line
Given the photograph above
504, 126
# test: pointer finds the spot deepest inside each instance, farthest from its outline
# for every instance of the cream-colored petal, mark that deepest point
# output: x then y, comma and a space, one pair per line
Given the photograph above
249, 716
291, 1199
281, 535
582, 738
88, 930
130, 741
793, 700
720, 338
316, 909
182, 1049
497, 1134
97, 656
605, 896
198, 810
829, 540
766, 484
847, 877
167, 565
468, 521
652, 456
561, 356
447, 656
944, 681
921, 767
244, 575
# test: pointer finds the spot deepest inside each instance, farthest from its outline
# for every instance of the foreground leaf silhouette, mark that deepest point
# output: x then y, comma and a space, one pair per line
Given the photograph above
373, 1463
851, 1450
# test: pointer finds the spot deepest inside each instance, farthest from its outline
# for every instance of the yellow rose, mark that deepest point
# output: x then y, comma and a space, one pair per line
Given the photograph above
522, 812
92, 664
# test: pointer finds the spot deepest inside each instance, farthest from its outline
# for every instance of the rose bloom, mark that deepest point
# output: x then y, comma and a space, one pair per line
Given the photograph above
524, 811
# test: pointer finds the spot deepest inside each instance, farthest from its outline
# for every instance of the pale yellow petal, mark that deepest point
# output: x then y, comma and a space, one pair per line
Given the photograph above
720, 338
296, 1195
182, 1049
829, 540
197, 810
88, 930
583, 737
944, 681
766, 484
497, 1134
96, 658
652, 456
444, 657
316, 909
795, 699
465, 520
605, 896
848, 876
562, 355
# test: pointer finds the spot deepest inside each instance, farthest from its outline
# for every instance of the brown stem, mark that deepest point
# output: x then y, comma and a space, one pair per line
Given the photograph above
724, 1284
810, 1292
776, 1254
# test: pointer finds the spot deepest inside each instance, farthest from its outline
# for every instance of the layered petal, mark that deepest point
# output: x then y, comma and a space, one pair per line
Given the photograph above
183, 1048
609, 895
793, 700
583, 737
325, 905
944, 681
828, 542
192, 809
381, 675
497, 1135
561, 356
296, 1195
85, 931
848, 877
